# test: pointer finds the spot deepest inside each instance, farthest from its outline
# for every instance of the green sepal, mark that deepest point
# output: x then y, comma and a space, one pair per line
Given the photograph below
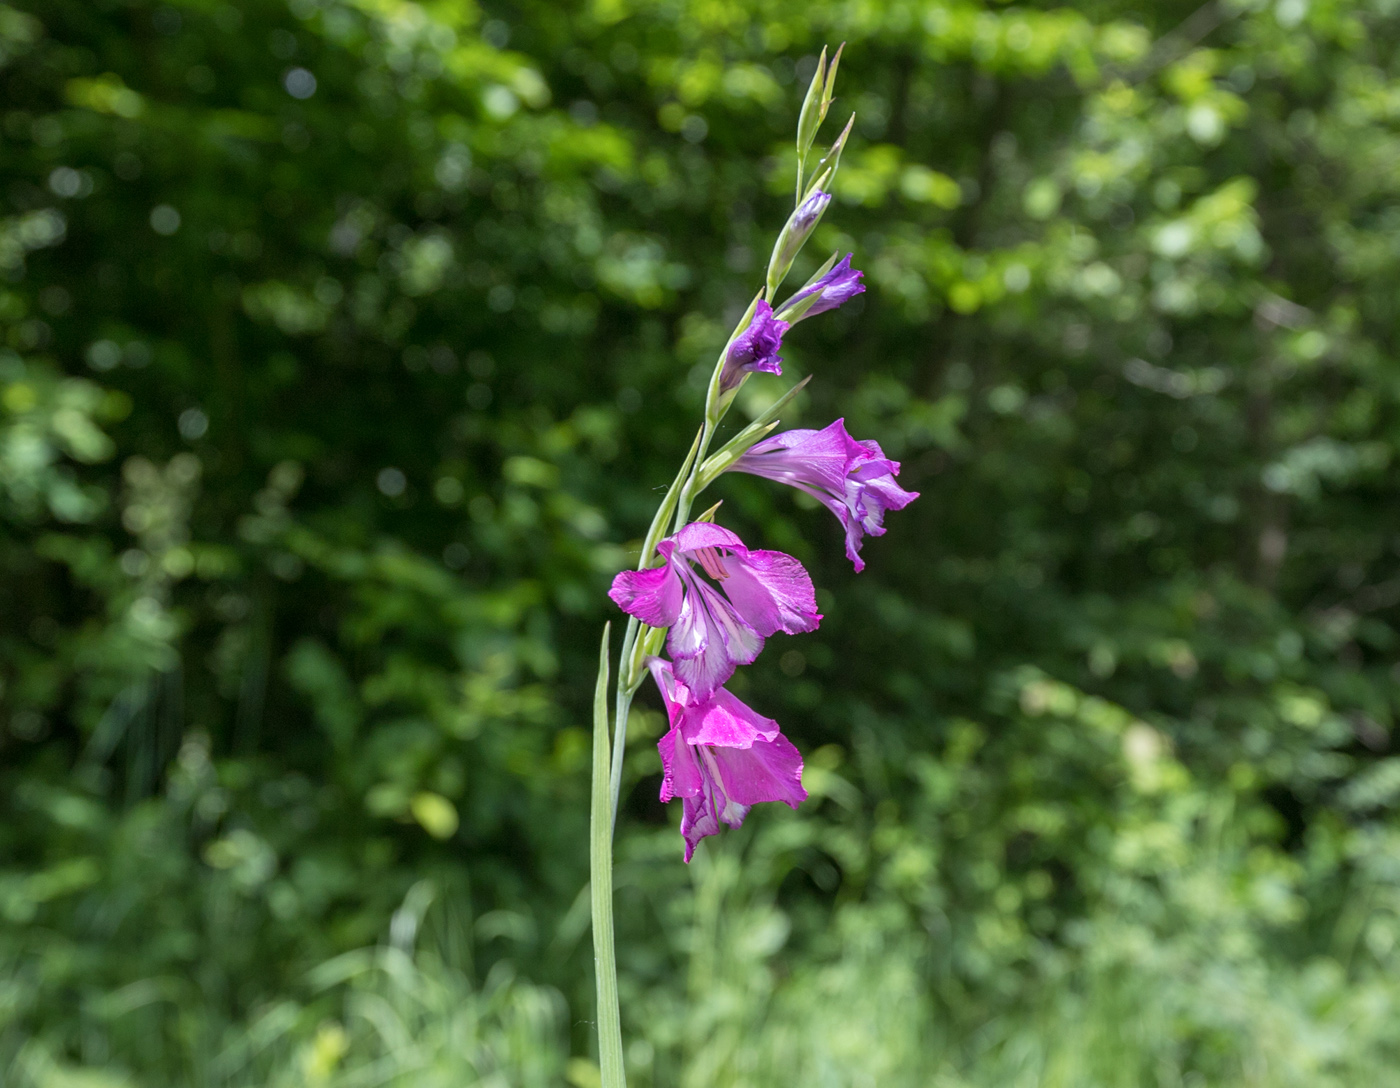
830, 86
709, 515
813, 110
831, 160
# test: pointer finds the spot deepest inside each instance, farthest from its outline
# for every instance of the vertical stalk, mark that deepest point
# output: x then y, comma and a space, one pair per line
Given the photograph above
601, 888
687, 495
620, 715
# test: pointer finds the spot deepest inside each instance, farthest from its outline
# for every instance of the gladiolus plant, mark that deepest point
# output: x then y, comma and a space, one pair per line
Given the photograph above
702, 602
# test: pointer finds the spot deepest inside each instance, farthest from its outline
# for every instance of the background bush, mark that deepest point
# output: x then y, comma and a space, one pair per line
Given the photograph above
346, 345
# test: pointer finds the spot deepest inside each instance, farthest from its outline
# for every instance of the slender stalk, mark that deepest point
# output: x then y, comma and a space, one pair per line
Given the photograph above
620, 715
601, 888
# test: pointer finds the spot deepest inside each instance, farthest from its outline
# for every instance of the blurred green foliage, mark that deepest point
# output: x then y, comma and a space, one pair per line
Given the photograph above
346, 344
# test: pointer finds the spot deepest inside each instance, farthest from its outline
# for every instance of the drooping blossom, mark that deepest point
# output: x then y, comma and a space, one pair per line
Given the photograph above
756, 348
839, 285
851, 478
716, 626
721, 758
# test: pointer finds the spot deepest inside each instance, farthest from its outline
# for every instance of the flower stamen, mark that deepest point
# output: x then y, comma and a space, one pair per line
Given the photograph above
713, 564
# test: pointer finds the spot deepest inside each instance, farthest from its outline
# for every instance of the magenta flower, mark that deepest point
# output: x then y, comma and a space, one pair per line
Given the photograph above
712, 632
852, 479
756, 348
721, 758
839, 285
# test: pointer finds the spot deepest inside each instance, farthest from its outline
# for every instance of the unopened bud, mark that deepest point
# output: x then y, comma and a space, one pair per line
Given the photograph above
798, 228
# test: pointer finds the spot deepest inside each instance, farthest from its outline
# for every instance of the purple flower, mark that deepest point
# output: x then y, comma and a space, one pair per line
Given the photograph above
839, 285
756, 348
712, 632
721, 758
852, 479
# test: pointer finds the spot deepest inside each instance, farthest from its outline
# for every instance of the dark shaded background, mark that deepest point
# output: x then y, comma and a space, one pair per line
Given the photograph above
348, 345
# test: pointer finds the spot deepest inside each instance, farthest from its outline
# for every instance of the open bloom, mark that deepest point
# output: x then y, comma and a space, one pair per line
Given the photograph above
852, 479
756, 348
839, 285
712, 632
721, 758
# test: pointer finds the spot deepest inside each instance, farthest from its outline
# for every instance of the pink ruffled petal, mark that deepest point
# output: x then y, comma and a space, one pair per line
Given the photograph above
674, 695
886, 494
680, 769
800, 458
706, 671
698, 819
839, 285
756, 348
854, 537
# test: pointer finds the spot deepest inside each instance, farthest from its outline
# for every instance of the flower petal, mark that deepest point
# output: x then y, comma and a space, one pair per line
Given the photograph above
850, 477
721, 758
698, 819
839, 285
772, 592
724, 720
680, 770
652, 596
756, 348
801, 457
770, 770
708, 640
704, 534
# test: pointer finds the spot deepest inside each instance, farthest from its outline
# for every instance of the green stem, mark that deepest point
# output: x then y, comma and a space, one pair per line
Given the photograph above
620, 716
689, 491
601, 889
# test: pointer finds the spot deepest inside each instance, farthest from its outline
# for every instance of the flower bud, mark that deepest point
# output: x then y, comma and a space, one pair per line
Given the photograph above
834, 285
799, 226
